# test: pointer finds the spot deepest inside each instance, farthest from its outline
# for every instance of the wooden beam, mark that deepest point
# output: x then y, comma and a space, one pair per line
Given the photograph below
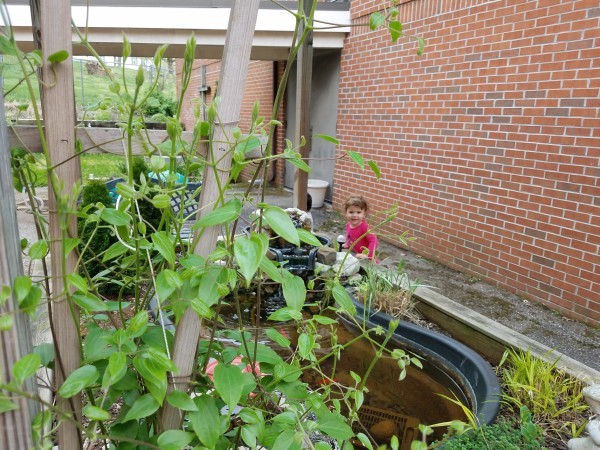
16, 342
95, 140
231, 90
51, 24
303, 88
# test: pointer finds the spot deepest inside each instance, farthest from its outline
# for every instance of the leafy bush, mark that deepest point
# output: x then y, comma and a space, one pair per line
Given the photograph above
95, 239
159, 103
500, 435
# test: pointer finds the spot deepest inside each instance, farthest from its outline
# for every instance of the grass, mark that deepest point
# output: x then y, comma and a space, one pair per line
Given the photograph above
103, 166
89, 89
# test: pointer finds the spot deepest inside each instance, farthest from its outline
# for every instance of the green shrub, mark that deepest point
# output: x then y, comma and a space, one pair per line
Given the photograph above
95, 239
159, 103
501, 435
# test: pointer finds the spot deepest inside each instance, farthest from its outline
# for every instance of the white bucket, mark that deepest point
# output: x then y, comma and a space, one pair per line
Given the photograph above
317, 190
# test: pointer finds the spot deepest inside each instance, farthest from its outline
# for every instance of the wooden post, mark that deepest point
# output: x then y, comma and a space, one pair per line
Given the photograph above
15, 426
236, 57
303, 88
51, 24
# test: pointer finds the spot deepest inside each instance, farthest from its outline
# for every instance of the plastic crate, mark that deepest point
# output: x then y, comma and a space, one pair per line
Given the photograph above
408, 426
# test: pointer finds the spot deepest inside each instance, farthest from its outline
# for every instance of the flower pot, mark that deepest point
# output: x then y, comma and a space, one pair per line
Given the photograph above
317, 190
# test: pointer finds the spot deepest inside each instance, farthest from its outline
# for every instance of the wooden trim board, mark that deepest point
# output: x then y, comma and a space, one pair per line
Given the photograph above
489, 337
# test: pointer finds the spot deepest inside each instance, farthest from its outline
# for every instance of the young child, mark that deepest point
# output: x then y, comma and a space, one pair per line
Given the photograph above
358, 235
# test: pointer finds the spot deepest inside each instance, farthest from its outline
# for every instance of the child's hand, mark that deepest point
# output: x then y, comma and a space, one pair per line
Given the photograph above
361, 256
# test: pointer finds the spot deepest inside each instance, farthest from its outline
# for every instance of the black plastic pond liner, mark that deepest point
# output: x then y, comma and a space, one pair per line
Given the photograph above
467, 368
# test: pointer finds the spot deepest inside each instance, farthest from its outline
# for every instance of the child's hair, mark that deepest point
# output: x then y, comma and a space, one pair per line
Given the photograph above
308, 202
358, 201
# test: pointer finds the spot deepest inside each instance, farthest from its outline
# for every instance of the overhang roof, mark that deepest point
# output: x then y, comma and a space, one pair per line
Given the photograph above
149, 23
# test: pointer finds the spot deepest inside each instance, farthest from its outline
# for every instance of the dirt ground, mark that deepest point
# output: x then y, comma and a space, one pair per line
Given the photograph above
574, 339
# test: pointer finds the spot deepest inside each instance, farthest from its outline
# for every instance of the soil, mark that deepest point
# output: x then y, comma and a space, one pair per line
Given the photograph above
572, 338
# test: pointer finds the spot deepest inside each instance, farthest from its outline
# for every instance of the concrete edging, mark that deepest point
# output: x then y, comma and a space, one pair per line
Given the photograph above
491, 338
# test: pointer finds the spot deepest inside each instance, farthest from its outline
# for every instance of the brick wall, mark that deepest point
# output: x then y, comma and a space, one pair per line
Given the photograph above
489, 142
260, 85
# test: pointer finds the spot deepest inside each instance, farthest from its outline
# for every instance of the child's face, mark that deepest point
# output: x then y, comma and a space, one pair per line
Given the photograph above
355, 215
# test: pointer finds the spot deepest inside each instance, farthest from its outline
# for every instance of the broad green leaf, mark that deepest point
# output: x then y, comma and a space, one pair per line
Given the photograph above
155, 376
224, 214
26, 367
125, 190
248, 254
96, 413
181, 400
142, 407
365, 441
309, 238
281, 223
341, 296
166, 283
335, 426
161, 201
115, 250
38, 250
294, 292
138, 324
78, 282
7, 405
324, 320
206, 422
277, 337
327, 138
164, 245
395, 28
298, 162
263, 354
174, 439
249, 415
357, 158
70, 244
285, 314
376, 20
4, 293
80, 379
229, 383
89, 302
249, 144
114, 217
116, 369
22, 287
7, 47
373, 165
6, 322
29, 304
306, 343
271, 269
288, 440
58, 57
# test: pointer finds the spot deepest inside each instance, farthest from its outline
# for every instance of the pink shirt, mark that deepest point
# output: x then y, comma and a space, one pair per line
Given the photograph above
368, 241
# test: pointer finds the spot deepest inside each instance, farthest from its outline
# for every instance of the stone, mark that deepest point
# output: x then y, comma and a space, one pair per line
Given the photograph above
326, 255
384, 430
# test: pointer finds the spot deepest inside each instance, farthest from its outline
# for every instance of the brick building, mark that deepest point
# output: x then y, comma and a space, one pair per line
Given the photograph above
489, 142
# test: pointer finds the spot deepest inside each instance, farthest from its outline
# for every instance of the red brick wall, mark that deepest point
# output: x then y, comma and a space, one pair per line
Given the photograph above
489, 142
259, 87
